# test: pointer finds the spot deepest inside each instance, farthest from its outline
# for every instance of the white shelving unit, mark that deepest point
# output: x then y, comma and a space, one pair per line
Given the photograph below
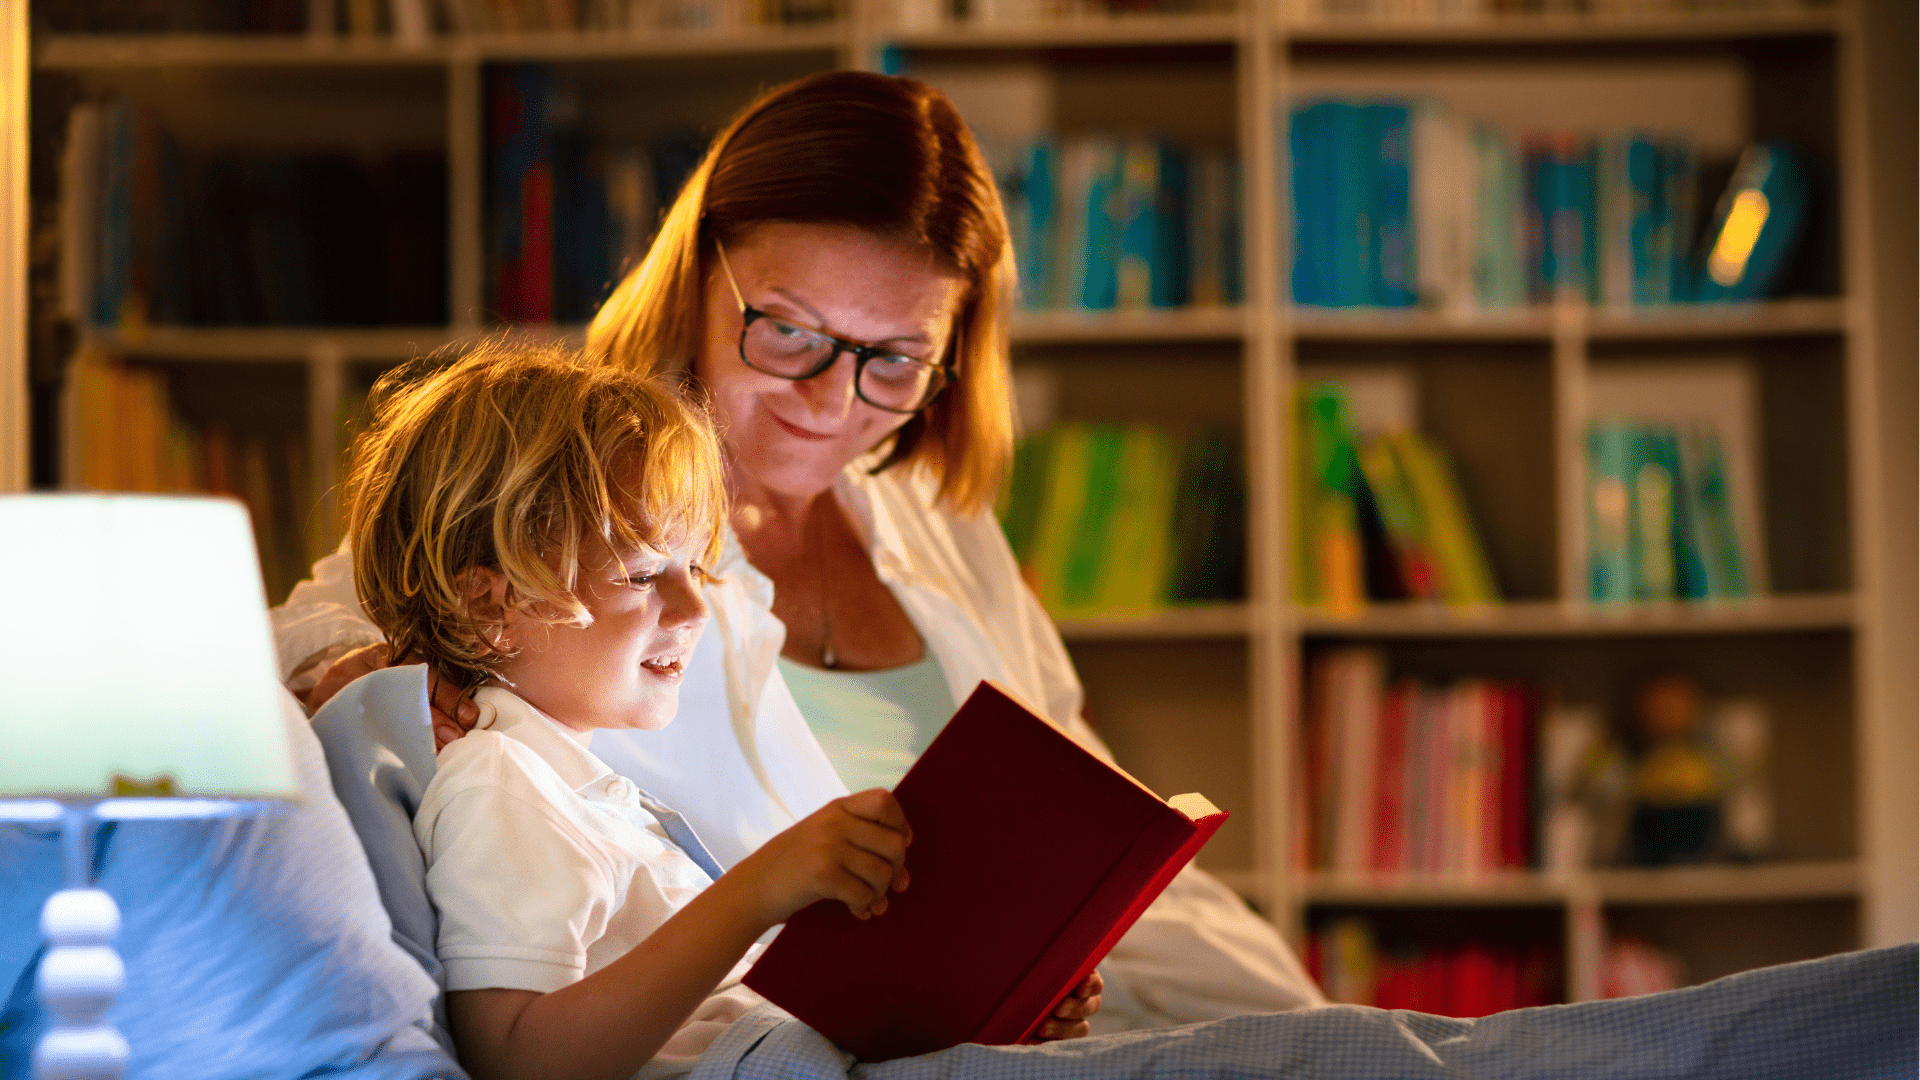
1207, 695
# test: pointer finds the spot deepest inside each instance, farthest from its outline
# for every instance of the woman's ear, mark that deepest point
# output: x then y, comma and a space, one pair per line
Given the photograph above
484, 591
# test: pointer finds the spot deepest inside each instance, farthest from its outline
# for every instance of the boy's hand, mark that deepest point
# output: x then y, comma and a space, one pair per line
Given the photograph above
853, 850
1069, 1021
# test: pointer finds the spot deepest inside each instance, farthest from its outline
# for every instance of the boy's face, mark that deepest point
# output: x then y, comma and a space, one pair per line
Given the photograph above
623, 670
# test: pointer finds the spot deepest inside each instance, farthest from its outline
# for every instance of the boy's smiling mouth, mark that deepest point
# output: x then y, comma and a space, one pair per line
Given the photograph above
669, 665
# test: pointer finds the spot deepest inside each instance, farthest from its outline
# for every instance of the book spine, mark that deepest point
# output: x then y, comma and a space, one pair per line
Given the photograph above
1172, 270
1649, 225
1139, 223
1392, 254
1609, 529
1652, 514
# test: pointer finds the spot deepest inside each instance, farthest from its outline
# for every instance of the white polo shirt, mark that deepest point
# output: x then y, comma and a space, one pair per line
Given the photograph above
545, 866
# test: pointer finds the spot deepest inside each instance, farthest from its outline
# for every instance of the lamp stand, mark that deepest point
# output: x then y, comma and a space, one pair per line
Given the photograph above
80, 975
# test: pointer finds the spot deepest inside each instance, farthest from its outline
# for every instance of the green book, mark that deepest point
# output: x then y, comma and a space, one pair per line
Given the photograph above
1400, 515
1023, 497
1651, 515
1703, 471
1134, 581
1064, 491
1465, 576
1084, 566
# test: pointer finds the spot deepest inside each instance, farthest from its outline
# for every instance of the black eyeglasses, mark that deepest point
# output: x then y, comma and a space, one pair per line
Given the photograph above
885, 380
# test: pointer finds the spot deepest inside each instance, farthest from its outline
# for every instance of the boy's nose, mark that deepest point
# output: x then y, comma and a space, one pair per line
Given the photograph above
683, 605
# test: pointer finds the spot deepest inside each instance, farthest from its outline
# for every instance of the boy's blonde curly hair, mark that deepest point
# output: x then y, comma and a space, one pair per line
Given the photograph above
506, 456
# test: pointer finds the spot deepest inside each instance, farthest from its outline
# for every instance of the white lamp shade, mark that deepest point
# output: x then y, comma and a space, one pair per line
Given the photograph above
134, 645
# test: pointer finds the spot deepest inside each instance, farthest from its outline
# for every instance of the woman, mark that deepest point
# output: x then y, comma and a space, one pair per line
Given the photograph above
834, 277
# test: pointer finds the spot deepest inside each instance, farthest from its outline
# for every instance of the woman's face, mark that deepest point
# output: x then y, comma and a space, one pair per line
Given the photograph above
793, 438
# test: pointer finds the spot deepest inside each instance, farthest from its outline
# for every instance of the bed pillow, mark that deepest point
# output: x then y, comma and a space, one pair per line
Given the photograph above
254, 946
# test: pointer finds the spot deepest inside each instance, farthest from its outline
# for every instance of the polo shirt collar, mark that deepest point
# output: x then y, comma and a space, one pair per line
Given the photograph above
504, 711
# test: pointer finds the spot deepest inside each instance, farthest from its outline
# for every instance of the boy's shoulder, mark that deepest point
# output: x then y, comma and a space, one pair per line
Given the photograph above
491, 760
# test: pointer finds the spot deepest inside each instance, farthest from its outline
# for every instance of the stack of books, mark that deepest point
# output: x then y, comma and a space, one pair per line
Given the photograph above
1409, 778
1466, 980
1119, 520
567, 212
1660, 518
1399, 204
151, 234
1104, 223
1379, 520
128, 437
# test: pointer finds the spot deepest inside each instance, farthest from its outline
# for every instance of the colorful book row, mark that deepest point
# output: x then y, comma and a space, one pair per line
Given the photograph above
1400, 204
1383, 520
1660, 521
129, 437
1126, 519
151, 234
566, 214
1465, 980
1406, 778
1103, 223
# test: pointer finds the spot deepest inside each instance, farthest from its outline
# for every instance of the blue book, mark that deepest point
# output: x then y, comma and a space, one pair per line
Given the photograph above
1500, 272
1098, 281
1233, 274
1754, 226
1562, 208
1139, 221
1310, 143
1351, 218
113, 266
1649, 224
1040, 197
1171, 268
1390, 252
1679, 183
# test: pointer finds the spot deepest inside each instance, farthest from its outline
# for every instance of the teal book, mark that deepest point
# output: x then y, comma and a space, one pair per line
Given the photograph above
1388, 130
1649, 225
1499, 260
1755, 226
1703, 470
1139, 222
1610, 455
1351, 217
1680, 183
1170, 270
1310, 145
1100, 252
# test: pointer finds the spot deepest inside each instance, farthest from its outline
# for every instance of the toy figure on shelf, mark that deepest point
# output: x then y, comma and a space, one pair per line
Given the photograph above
1677, 784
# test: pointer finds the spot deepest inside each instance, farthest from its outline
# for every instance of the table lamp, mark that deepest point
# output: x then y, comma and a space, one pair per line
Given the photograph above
137, 680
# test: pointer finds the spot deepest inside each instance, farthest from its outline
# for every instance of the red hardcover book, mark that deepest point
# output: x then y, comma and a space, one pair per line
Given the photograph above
1030, 858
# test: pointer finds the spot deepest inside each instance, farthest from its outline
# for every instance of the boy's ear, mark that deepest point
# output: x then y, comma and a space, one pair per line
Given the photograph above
484, 590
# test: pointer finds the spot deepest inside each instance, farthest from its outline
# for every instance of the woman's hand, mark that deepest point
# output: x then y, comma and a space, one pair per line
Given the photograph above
1069, 1021
853, 850
453, 714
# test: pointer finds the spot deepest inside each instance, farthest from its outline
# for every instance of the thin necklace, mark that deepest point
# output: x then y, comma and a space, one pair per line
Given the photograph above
827, 659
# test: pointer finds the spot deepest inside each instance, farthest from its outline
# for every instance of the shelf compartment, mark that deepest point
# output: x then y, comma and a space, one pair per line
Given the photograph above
1196, 622
1167, 324
99, 51
1775, 318
215, 343
1811, 880
1552, 618
1185, 29
1524, 29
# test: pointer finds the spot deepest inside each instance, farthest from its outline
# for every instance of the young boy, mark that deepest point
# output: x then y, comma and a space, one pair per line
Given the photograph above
534, 525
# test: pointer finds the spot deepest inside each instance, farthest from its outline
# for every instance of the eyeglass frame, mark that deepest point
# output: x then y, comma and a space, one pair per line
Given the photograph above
861, 353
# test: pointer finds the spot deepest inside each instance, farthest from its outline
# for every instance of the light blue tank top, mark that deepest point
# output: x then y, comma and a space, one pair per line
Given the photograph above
872, 724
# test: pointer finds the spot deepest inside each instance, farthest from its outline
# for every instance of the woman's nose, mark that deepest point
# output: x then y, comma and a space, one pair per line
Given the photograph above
830, 393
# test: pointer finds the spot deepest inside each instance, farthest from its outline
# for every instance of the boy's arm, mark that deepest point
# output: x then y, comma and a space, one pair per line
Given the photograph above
611, 1022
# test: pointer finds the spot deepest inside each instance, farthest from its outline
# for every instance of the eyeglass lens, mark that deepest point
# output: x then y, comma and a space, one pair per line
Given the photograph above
901, 383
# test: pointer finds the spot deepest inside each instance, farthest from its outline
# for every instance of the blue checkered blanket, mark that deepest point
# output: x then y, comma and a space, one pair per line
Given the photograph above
1847, 1016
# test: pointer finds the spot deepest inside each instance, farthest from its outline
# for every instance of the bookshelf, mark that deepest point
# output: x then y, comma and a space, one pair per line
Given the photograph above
1206, 697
